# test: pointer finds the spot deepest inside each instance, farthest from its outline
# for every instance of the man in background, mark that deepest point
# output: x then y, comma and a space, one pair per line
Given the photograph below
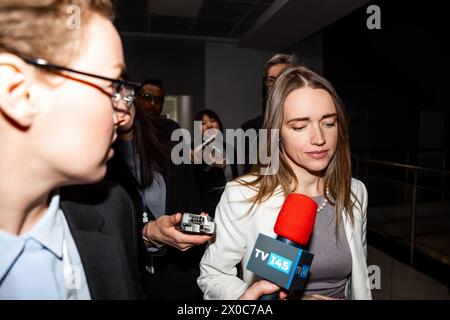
272, 69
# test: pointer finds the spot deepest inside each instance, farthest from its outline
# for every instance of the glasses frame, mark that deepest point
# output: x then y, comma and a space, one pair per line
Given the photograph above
269, 81
151, 97
116, 97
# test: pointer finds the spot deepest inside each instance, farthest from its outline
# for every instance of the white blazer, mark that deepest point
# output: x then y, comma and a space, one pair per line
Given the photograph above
236, 235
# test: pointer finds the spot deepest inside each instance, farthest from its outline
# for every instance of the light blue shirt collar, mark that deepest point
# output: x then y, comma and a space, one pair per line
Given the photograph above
48, 231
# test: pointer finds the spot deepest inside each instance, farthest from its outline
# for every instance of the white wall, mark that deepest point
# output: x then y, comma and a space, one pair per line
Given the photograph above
233, 85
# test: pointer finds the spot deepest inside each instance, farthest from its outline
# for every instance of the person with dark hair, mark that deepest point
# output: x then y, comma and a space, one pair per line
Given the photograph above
142, 165
211, 178
151, 97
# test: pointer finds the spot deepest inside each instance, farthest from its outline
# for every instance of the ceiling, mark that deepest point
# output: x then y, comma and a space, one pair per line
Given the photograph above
212, 18
262, 24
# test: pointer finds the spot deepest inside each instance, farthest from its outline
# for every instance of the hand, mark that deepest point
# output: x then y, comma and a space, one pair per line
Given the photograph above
219, 164
196, 156
218, 160
261, 287
318, 297
164, 230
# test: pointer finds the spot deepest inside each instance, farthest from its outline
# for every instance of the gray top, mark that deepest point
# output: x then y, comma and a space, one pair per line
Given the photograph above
332, 263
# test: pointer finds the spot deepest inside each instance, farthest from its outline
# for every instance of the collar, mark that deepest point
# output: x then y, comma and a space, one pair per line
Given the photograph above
10, 247
48, 231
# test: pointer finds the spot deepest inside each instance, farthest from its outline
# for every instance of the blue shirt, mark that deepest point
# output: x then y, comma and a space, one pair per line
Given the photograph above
43, 263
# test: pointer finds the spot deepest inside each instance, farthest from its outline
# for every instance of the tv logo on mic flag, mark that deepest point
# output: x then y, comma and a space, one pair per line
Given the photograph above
280, 263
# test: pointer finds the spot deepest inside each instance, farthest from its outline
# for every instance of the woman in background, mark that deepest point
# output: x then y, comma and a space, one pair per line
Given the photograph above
211, 178
142, 165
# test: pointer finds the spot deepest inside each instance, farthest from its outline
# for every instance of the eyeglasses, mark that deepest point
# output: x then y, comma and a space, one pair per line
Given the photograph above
269, 81
148, 97
122, 90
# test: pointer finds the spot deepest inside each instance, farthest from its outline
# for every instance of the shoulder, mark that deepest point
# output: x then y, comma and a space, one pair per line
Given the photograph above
238, 198
168, 124
238, 190
97, 193
359, 189
106, 197
235, 201
359, 197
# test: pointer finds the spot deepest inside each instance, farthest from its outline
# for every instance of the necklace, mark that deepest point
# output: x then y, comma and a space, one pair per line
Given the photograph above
324, 202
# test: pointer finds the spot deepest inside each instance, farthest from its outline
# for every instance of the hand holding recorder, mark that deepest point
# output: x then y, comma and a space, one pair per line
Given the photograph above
196, 223
166, 230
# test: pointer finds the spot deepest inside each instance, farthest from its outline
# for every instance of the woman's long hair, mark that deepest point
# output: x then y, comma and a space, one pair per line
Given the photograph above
153, 154
337, 175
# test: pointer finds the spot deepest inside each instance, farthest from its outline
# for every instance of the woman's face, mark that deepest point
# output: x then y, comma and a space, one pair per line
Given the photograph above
209, 123
309, 131
75, 125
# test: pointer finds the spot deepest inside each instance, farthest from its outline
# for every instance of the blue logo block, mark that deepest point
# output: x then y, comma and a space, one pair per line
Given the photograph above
304, 273
279, 263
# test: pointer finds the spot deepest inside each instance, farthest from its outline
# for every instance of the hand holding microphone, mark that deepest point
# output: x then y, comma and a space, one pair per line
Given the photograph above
283, 261
260, 288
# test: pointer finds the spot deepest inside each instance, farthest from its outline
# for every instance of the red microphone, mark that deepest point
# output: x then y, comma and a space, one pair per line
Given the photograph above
283, 260
295, 222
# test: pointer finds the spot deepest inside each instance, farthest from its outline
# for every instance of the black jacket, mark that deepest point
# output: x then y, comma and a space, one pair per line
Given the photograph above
102, 219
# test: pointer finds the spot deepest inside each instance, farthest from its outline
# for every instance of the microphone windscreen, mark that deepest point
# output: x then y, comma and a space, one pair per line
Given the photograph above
295, 221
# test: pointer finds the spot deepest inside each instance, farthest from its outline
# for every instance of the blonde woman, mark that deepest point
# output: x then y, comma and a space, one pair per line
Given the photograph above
61, 100
314, 159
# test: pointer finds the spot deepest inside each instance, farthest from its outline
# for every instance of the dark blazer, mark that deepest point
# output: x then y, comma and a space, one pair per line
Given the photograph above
102, 223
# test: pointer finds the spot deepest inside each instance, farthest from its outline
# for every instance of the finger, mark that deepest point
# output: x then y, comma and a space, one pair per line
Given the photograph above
309, 298
193, 239
183, 246
267, 287
321, 297
175, 218
283, 295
